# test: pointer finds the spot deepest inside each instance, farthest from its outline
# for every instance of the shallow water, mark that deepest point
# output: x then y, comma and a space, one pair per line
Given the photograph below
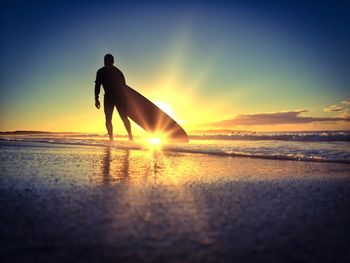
94, 165
319, 147
82, 203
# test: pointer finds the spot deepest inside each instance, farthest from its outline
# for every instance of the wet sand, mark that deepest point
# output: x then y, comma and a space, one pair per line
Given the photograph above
95, 204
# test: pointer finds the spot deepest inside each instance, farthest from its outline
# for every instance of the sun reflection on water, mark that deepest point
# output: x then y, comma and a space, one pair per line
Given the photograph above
145, 179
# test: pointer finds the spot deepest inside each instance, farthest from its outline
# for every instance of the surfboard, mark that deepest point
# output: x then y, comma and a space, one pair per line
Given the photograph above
151, 118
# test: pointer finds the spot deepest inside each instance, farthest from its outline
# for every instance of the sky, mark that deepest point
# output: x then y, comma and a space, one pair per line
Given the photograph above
212, 65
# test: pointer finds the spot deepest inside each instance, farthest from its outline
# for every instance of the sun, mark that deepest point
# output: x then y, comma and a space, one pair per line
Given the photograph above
154, 140
154, 143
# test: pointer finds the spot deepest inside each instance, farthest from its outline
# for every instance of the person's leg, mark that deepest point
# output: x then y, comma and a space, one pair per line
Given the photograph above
108, 108
122, 113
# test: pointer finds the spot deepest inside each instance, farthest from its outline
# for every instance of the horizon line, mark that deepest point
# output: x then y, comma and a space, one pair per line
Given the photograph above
194, 132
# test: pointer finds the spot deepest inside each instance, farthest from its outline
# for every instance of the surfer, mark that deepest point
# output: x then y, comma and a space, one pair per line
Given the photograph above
113, 82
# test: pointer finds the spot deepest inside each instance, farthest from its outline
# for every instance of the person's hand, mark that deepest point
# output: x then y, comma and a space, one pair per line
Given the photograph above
97, 104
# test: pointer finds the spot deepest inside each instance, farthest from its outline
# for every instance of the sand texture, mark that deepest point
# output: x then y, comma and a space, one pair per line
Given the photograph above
97, 204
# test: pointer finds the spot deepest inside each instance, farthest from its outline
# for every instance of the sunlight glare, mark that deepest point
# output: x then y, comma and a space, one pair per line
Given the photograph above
166, 108
154, 140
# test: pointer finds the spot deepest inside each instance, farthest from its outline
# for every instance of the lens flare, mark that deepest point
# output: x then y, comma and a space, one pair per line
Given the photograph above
154, 140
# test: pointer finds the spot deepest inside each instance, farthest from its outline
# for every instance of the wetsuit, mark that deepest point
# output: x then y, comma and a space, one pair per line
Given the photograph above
113, 82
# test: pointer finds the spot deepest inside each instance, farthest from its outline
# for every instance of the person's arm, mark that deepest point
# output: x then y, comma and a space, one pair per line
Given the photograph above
97, 90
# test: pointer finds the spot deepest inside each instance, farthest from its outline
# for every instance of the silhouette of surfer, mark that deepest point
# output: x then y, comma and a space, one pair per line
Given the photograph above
113, 82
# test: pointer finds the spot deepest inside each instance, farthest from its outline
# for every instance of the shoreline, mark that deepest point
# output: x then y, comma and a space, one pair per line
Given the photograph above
125, 145
93, 204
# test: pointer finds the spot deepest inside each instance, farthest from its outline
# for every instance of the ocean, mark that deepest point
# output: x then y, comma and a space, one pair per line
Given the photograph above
332, 146
78, 197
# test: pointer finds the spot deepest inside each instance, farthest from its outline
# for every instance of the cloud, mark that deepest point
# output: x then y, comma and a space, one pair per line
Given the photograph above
344, 113
341, 112
346, 101
333, 108
274, 118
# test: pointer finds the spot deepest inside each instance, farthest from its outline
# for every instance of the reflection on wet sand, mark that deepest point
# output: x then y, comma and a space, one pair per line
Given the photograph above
108, 204
110, 175
155, 190
115, 165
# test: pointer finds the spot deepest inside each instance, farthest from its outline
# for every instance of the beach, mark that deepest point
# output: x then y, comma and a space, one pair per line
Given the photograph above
83, 203
175, 131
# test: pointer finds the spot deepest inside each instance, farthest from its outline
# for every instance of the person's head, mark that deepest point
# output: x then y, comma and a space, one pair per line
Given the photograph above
109, 60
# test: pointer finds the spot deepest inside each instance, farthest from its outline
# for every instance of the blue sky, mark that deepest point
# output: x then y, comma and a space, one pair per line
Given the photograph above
227, 58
